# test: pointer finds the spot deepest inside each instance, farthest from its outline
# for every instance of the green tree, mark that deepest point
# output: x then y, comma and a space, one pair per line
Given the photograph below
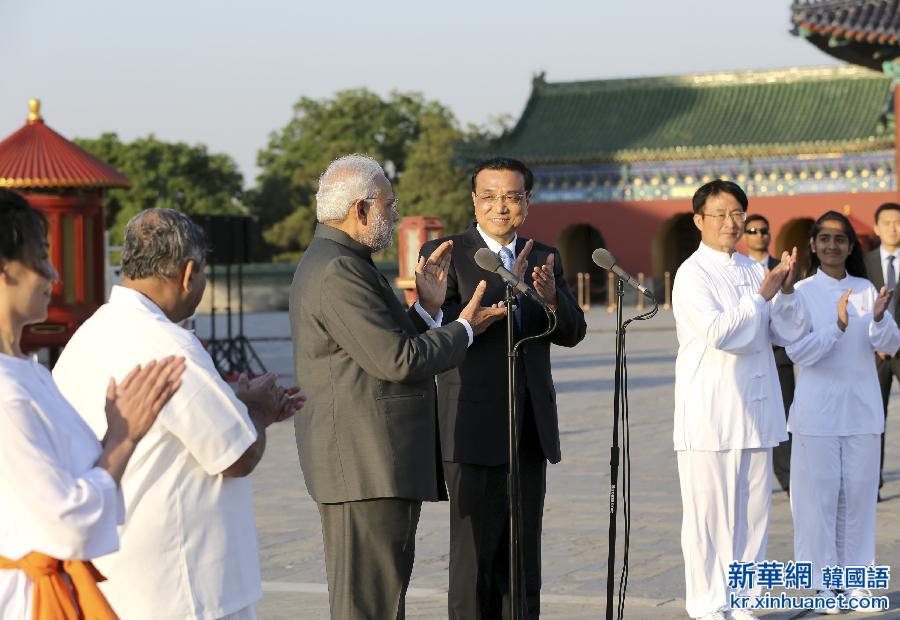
288, 235
437, 178
434, 183
164, 174
355, 120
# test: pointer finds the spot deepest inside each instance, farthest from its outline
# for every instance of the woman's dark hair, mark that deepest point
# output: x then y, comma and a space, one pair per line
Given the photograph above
23, 230
854, 264
716, 187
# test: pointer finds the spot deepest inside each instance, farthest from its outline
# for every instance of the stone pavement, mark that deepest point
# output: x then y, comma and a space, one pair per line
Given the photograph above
576, 515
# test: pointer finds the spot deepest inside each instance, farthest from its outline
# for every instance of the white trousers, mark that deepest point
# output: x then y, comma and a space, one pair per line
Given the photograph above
834, 491
725, 499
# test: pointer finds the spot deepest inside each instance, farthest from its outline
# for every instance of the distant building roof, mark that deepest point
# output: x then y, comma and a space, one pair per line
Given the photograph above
711, 116
36, 157
864, 32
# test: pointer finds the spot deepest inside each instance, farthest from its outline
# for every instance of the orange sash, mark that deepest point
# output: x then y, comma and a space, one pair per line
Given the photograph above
52, 600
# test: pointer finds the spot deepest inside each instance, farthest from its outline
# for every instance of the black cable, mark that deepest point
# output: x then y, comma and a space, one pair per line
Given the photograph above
626, 465
552, 321
626, 481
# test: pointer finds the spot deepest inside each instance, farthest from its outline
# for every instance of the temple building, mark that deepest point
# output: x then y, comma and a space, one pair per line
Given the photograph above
862, 32
617, 161
69, 185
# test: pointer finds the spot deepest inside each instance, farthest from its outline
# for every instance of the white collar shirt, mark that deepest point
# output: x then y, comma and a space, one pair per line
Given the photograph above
727, 394
764, 262
188, 546
53, 499
837, 389
496, 246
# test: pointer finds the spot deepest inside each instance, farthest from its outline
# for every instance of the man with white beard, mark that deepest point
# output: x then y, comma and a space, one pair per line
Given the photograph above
367, 440
728, 408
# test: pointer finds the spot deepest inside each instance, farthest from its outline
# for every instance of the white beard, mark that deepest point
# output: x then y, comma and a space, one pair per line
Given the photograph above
378, 236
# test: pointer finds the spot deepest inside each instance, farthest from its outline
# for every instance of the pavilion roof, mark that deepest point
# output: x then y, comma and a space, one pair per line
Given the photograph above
700, 116
36, 157
864, 32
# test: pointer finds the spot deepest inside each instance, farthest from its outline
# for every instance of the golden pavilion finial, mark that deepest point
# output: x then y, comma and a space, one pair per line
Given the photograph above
34, 110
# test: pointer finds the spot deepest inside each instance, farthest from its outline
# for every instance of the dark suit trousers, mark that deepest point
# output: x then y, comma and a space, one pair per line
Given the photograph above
479, 531
369, 551
781, 454
887, 370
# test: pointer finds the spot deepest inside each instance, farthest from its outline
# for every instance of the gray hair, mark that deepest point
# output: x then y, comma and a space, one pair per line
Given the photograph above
158, 242
346, 180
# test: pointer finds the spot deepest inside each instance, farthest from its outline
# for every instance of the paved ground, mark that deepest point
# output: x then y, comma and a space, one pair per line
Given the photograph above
576, 518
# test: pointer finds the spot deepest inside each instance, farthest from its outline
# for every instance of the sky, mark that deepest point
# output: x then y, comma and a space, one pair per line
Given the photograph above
226, 73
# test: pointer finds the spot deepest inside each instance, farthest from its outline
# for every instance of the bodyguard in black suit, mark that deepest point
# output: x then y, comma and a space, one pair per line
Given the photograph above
758, 236
472, 399
883, 267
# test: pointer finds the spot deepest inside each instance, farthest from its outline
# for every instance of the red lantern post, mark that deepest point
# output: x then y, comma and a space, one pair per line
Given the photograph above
68, 184
412, 232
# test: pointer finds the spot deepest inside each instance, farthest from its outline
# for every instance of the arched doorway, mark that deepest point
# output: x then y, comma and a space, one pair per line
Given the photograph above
795, 233
576, 243
677, 239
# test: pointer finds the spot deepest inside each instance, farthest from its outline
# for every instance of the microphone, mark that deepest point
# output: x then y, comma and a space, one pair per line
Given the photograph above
489, 261
603, 258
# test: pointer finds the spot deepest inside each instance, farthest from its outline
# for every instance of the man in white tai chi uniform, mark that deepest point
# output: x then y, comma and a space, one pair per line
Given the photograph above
728, 408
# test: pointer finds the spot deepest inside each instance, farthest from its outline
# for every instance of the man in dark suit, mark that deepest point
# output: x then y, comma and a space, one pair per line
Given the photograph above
758, 236
367, 440
882, 267
472, 398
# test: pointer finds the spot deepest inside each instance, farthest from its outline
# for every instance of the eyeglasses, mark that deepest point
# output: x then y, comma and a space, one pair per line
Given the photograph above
762, 230
392, 203
738, 217
509, 198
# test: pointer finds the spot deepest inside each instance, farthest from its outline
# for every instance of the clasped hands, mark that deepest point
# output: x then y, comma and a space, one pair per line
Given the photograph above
878, 309
431, 285
782, 277
542, 275
267, 399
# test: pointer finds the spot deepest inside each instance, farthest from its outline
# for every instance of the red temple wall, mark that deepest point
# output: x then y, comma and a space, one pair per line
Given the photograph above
629, 228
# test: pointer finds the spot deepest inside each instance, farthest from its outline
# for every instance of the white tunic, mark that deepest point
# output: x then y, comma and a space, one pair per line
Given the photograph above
52, 498
188, 546
837, 386
727, 394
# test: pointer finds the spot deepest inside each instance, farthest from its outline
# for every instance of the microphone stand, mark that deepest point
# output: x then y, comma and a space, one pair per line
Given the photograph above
516, 565
619, 389
512, 476
614, 455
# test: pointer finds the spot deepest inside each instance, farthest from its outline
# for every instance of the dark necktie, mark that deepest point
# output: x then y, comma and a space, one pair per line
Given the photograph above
891, 281
506, 256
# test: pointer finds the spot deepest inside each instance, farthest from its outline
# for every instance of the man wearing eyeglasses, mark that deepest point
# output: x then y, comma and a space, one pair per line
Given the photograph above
472, 398
728, 414
757, 236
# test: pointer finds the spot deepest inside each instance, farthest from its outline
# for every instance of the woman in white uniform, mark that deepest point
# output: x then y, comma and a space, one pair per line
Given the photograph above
59, 487
837, 417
